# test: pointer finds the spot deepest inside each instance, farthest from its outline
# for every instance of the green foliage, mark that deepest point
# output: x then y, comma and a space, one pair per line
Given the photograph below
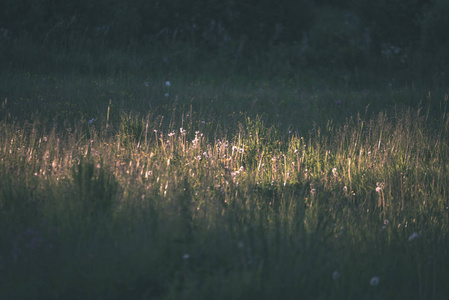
95, 186
242, 34
392, 22
18, 202
336, 39
259, 142
273, 21
131, 131
212, 22
312, 200
435, 29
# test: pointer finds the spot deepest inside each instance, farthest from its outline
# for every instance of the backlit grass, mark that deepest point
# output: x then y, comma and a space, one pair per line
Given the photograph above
111, 189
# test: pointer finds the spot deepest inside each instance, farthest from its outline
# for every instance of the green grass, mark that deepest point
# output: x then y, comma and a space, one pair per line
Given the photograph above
224, 189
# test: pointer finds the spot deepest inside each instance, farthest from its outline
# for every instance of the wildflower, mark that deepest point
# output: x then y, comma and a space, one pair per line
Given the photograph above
386, 222
186, 256
147, 83
203, 122
334, 172
379, 186
195, 142
413, 236
167, 83
91, 121
345, 188
166, 95
335, 275
337, 102
374, 281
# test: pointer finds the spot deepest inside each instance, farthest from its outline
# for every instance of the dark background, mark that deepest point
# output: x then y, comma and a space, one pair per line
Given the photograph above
411, 35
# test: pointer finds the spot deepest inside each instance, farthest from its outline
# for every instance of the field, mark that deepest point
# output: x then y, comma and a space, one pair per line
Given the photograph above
172, 185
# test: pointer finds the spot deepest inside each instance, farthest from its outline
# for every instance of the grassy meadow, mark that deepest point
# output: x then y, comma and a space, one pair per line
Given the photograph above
178, 185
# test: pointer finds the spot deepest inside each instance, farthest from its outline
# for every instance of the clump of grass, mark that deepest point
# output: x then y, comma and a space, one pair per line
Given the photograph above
95, 186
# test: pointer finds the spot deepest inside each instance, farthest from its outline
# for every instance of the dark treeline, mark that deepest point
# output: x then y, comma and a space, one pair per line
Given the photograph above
340, 33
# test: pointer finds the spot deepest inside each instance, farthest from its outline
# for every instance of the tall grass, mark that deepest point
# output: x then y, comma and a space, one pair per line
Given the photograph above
111, 190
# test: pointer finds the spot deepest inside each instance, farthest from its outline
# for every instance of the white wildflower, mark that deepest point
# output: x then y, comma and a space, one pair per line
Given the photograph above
334, 172
374, 281
335, 275
379, 186
413, 236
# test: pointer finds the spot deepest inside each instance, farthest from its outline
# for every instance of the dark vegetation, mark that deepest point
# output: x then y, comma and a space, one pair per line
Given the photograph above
224, 149
281, 37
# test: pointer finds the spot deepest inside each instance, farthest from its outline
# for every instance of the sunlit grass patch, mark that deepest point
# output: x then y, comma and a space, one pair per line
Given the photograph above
181, 196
